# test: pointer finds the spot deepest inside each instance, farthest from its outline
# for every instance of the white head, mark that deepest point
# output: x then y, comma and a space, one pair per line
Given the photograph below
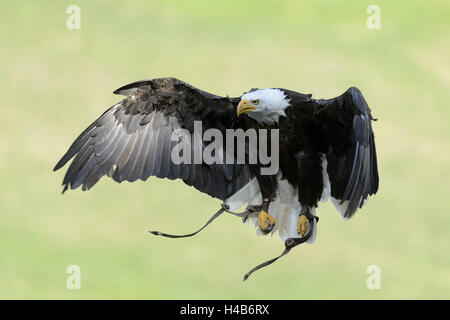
264, 105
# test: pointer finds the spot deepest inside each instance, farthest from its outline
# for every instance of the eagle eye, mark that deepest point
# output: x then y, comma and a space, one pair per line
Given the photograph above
255, 102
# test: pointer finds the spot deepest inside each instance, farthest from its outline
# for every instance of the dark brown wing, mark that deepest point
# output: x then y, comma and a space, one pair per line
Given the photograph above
134, 139
352, 159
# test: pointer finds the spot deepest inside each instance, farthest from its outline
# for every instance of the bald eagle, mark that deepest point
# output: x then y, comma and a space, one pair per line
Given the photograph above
326, 149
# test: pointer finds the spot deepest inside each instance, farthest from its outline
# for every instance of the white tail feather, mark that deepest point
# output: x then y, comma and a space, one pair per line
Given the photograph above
327, 191
285, 208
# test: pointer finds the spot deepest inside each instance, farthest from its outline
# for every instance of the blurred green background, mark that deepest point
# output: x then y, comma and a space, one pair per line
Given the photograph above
55, 81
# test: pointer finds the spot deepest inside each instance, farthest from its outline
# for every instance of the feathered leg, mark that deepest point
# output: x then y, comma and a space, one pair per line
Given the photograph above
268, 186
310, 186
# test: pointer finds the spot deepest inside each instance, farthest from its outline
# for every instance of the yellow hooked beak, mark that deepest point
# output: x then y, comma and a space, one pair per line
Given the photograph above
244, 107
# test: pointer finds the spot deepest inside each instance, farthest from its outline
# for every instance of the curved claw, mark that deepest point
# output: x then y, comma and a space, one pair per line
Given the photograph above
266, 222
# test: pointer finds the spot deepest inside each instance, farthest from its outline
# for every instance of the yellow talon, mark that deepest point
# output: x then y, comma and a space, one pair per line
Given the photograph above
266, 222
302, 225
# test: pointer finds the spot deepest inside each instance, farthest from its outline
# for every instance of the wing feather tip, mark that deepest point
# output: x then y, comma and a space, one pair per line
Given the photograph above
61, 163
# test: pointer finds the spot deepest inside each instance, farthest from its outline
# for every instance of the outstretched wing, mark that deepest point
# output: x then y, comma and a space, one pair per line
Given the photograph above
133, 139
352, 160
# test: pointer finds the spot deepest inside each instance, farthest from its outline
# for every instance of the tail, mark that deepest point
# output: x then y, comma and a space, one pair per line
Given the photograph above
285, 208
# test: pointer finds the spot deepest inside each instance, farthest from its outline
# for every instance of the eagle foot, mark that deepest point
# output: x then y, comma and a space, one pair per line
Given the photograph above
266, 222
302, 225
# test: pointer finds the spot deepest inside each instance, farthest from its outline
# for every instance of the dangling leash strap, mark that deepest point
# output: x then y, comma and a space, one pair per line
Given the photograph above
289, 244
167, 235
225, 208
